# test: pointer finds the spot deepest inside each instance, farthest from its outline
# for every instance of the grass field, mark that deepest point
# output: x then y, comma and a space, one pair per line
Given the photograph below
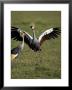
45, 64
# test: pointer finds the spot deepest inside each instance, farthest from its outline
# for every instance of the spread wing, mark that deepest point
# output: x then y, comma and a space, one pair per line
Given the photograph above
28, 39
48, 34
15, 33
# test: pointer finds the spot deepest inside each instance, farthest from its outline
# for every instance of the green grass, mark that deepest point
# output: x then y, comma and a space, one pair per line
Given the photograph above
45, 64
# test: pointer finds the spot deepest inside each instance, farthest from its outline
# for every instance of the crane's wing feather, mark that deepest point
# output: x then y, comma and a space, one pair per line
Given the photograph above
15, 33
28, 39
48, 34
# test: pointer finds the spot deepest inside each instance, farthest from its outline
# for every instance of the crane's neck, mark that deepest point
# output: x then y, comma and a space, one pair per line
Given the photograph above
34, 36
22, 45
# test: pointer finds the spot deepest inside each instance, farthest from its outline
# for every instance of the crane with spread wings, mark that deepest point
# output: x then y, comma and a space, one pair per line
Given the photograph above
32, 41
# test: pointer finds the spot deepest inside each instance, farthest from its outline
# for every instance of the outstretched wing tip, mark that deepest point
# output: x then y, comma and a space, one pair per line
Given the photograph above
51, 33
57, 30
15, 33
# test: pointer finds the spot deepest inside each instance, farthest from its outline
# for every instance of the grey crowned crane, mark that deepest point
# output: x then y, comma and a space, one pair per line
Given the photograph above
15, 51
35, 43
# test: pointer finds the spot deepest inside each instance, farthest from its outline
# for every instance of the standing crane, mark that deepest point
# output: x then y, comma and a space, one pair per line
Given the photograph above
35, 43
15, 51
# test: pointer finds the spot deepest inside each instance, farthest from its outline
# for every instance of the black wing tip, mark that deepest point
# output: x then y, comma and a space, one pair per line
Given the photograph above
57, 28
13, 27
56, 32
15, 33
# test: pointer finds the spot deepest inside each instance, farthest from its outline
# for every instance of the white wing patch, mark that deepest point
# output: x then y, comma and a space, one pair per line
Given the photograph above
44, 33
29, 35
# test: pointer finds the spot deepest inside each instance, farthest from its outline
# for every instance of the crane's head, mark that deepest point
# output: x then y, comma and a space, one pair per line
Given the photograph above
22, 34
32, 26
19, 30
